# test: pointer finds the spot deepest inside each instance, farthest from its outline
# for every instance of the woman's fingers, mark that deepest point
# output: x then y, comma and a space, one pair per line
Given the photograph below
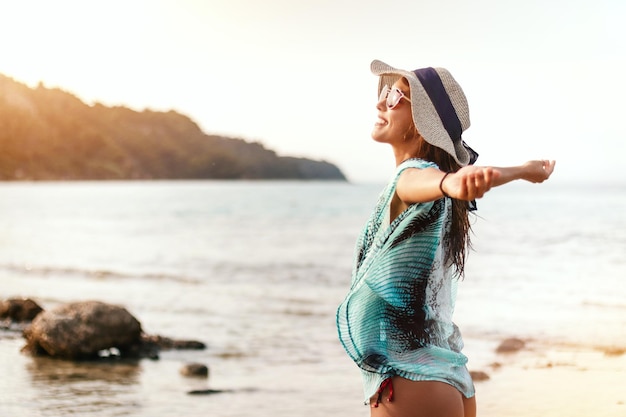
539, 171
548, 167
478, 182
472, 182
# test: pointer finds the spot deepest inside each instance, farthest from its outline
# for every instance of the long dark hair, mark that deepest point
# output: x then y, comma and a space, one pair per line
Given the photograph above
457, 239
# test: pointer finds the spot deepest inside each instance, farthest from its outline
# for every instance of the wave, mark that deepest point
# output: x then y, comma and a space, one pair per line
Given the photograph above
231, 272
616, 306
95, 274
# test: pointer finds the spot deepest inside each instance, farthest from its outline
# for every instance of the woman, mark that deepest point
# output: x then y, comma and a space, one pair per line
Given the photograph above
396, 321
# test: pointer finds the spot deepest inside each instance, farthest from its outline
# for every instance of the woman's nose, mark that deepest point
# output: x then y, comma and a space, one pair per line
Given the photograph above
381, 104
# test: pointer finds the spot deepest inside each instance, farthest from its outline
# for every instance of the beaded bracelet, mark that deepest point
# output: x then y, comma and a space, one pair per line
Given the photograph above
441, 185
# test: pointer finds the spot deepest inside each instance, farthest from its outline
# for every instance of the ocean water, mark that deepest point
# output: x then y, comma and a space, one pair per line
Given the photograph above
256, 269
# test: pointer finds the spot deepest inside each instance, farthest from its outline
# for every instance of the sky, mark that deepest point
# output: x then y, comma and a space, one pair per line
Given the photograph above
544, 78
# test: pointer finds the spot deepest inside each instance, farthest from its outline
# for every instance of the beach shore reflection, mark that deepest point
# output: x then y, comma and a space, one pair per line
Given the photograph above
69, 388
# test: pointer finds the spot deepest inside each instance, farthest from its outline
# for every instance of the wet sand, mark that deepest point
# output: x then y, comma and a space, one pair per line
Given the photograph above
537, 380
555, 381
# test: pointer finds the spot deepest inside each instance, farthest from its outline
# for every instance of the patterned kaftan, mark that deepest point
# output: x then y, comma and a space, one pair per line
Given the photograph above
397, 316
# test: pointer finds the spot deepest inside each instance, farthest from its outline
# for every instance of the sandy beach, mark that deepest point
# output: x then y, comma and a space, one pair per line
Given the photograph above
555, 381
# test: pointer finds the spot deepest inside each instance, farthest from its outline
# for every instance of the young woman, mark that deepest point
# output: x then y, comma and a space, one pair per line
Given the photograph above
396, 321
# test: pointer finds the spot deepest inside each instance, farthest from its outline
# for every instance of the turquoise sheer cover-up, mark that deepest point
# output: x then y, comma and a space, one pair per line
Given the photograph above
396, 319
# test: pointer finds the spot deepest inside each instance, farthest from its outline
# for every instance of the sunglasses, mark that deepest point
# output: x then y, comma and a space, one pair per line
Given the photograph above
392, 96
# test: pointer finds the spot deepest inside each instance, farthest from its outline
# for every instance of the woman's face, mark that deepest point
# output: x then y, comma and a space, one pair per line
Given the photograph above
393, 124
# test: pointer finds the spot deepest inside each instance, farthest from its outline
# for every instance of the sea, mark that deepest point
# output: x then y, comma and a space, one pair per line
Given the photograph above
256, 269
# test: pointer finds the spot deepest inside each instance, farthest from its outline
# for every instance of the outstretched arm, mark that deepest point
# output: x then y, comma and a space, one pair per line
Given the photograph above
468, 183
532, 171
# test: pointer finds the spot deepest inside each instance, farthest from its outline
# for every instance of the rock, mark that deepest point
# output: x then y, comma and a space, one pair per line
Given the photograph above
614, 351
91, 330
151, 346
510, 345
165, 343
195, 369
479, 376
19, 309
207, 391
81, 330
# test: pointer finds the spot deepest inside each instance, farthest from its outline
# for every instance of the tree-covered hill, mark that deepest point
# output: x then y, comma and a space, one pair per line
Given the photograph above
49, 134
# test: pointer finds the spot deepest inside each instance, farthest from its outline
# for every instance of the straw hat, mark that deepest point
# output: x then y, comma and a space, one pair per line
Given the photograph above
439, 106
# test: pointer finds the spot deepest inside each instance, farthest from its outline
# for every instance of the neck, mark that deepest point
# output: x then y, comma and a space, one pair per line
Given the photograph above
403, 153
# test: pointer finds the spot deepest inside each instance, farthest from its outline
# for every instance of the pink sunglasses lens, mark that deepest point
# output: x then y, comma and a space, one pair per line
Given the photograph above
384, 93
394, 98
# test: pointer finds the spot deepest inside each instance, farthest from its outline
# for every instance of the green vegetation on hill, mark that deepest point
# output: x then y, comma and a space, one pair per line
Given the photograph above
49, 134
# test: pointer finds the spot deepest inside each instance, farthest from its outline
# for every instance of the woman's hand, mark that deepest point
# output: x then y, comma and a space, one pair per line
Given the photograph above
470, 182
537, 171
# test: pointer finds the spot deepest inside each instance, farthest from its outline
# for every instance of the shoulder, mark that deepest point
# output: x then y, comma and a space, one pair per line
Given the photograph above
415, 163
415, 169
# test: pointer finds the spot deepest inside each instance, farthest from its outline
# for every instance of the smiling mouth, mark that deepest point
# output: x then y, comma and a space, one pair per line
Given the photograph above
381, 122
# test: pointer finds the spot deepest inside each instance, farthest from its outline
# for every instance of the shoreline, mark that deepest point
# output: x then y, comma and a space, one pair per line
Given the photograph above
548, 380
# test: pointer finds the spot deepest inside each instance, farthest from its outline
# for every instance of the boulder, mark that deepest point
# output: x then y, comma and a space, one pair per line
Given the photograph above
19, 309
80, 330
478, 376
510, 345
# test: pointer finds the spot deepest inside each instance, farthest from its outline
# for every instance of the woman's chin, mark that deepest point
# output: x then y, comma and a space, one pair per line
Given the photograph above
378, 135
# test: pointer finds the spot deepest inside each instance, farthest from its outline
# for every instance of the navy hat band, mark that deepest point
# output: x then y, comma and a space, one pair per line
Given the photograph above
439, 97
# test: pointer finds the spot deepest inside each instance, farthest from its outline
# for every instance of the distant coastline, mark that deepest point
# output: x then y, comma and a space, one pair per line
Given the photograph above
49, 134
